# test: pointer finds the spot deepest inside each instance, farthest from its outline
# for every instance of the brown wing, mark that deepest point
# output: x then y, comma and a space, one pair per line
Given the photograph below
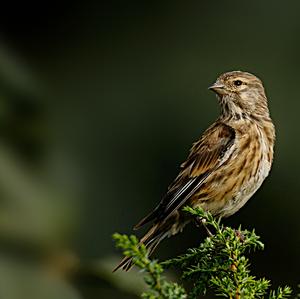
206, 155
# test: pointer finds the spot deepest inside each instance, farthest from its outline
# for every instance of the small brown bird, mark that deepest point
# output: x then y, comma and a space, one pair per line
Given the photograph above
225, 166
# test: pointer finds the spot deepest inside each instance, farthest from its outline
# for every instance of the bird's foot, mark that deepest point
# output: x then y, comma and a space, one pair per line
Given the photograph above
202, 222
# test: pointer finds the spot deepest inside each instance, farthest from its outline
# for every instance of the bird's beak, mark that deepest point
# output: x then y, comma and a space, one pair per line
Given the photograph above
217, 87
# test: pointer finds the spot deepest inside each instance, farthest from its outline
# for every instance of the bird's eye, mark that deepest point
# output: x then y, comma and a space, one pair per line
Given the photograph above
237, 82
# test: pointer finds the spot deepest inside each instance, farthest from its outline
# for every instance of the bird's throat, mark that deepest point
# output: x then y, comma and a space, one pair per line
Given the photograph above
231, 108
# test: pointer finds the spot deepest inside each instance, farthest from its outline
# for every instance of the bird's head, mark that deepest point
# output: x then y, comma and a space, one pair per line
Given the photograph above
240, 92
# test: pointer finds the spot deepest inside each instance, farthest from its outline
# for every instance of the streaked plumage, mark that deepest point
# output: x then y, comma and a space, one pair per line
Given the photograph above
225, 167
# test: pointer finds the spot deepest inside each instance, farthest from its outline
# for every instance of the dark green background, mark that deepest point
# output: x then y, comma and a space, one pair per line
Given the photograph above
99, 104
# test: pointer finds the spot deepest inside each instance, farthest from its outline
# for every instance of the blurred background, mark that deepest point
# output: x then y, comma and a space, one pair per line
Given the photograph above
99, 104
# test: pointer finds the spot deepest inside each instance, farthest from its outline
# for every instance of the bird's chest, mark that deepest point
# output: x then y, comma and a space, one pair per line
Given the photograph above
251, 163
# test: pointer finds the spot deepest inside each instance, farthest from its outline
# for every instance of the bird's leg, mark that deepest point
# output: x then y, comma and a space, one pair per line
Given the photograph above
198, 221
202, 222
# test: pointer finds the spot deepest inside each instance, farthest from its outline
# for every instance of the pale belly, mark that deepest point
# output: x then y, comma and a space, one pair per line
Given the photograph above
230, 194
239, 199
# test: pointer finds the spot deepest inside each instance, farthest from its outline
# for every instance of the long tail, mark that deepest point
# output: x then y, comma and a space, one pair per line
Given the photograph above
151, 239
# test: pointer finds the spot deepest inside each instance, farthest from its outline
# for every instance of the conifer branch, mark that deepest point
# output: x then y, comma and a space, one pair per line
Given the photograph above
218, 264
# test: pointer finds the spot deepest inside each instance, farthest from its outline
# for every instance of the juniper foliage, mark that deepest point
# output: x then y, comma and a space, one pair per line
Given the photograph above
158, 286
218, 264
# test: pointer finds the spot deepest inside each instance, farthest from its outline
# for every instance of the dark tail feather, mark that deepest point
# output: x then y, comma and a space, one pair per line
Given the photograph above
125, 264
151, 240
148, 218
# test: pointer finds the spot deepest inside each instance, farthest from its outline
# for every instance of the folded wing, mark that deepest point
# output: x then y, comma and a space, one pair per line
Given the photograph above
206, 155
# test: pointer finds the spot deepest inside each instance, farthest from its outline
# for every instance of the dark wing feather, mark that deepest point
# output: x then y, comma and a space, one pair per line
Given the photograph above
206, 155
